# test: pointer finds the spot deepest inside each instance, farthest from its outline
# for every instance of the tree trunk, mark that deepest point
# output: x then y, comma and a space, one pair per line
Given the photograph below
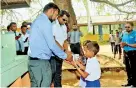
67, 5
86, 2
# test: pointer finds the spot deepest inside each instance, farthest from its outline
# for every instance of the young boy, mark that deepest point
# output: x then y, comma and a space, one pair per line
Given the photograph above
92, 72
112, 41
117, 48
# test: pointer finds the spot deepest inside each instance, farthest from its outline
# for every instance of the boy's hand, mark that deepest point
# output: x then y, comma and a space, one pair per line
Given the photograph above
73, 63
78, 62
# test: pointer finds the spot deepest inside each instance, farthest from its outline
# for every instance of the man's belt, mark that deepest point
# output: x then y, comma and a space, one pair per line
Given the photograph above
75, 43
34, 58
57, 58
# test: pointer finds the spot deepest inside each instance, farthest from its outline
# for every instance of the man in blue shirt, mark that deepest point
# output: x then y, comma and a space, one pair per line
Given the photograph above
42, 46
74, 39
129, 46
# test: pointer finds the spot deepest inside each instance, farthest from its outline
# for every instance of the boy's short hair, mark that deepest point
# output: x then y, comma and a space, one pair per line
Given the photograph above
92, 46
63, 12
23, 26
8, 27
24, 23
85, 42
12, 23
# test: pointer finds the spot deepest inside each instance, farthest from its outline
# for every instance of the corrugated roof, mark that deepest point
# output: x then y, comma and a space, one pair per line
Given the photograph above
10, 4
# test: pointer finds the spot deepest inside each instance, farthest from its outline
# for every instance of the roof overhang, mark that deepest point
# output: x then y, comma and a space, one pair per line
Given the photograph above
105, 23
96, 20
12, 4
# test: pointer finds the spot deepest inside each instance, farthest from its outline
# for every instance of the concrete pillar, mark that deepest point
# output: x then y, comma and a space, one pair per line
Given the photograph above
110, 28
93, 29
100, 32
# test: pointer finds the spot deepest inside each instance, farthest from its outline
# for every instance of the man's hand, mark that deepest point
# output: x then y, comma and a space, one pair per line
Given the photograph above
122, 44
69, 56
67, 61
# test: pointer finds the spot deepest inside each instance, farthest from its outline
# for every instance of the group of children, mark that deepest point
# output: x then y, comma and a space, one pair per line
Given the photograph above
90, 71
115, 40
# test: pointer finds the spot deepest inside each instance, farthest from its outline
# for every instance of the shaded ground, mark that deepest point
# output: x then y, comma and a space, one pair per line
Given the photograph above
108, 79
113, 74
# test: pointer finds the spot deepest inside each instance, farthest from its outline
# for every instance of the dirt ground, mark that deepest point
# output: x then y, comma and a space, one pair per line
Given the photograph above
108, 79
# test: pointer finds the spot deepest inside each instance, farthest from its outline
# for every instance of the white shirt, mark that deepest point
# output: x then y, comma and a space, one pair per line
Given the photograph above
117, 40
60, 32
24, 38
93, 69
112, 38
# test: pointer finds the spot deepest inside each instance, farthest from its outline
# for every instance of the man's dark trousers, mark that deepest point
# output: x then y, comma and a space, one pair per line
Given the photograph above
56, 66
130, 62
75, 48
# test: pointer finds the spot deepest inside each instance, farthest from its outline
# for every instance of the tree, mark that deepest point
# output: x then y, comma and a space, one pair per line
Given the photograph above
86, 3
13, 15
67, 5
124, 6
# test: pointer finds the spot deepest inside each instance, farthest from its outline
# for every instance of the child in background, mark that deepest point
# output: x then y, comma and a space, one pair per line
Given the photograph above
117, 48
112, 41
91, 72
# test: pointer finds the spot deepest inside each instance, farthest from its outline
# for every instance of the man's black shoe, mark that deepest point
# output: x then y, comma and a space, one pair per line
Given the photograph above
133, 86
126, 85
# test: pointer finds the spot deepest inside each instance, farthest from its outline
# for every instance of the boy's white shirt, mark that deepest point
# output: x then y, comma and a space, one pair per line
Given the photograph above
26, 44
112, 38
93, 69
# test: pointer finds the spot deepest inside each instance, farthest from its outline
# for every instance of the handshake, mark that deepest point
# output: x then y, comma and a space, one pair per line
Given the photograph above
71, 57
75, 60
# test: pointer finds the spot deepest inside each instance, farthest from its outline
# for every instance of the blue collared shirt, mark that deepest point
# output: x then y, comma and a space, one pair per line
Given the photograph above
129, 38
75, 36
42, 43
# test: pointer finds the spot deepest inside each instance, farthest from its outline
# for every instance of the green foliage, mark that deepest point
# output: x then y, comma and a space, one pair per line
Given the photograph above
3, 12
84, 30
100, 8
